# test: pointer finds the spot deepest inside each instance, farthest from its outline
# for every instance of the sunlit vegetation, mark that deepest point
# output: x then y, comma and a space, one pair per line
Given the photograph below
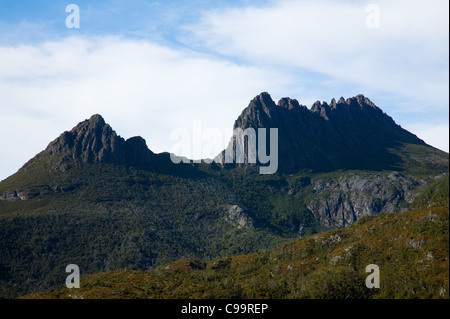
411, 250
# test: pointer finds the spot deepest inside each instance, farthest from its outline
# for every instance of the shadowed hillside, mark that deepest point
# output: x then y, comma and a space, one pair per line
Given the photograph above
108, 204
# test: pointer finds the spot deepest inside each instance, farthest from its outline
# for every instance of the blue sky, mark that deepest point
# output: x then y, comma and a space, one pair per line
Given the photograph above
151, 20
151, 67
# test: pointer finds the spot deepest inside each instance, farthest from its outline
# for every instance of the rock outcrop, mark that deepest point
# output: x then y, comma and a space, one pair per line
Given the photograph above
342, 201
235, 215
347, 134
94, 141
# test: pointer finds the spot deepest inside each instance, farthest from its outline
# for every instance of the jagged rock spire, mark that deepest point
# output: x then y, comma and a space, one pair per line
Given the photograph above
347, 134
92, 141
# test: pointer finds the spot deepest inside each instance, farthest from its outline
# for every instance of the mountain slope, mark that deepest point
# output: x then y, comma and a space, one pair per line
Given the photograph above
347, 134
90, 142
117, 218
106, 203
410, 249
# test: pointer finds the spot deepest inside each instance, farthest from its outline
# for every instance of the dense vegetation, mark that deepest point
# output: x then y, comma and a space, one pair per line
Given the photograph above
106, 217
411, 250
434, 193
106, 204
115, 218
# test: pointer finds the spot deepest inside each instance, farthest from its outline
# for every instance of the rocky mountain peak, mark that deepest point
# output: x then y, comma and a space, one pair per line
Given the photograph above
96, 120
262, 103
92, 141
289, 103
359, 106
362, 100
333, 103
349, 133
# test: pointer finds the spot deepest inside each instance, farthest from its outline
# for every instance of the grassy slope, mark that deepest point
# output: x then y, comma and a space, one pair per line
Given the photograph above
434, 193
411, 250
121, 218
115, 218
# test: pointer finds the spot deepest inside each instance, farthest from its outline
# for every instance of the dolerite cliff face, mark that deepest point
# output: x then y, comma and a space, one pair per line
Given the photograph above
91, 141
94, 141
347, 134
344, 200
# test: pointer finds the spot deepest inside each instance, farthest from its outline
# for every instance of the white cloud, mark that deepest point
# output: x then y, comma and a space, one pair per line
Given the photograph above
307, 50
139, 87
435, 135
407, 55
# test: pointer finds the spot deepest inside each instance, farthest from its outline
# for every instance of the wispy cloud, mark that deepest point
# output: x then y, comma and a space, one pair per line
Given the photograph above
149, 69
141, 88
406, 55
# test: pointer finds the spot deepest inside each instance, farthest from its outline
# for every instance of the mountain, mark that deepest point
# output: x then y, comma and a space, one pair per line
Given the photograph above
105, 203
410, 250
102, 202
347, 134
94, 141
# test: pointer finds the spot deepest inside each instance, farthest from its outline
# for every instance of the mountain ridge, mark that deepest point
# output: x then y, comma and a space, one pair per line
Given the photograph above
106, 203
94, 141
344, 135
348, 134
